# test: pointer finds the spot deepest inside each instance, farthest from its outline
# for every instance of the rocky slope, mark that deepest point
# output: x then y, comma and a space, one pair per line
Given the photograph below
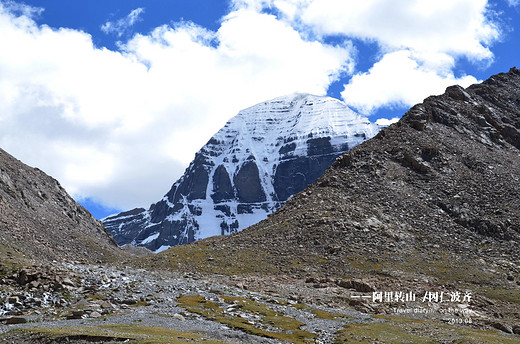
430, 203
248, 169
40, 221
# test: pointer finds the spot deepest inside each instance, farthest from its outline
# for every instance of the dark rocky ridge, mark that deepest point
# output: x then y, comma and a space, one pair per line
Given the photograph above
432, 201
40, 221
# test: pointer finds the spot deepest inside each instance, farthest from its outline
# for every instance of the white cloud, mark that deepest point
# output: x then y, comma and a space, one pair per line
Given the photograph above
448, 26
21, 8
121, 126
451, 26
419, 41
402, 79
120, 26
513, 3
386, 122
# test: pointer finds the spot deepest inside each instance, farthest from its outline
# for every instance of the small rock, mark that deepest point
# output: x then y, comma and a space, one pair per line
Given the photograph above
502, 327
107, 305
68, 282
95, 314
178, 317
78, 312
129, 302
362, 286
16, 320
482, 121
310, 280
344, 284
37, 301
232, 307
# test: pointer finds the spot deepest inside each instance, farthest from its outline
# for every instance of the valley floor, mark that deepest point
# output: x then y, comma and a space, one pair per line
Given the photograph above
99, 304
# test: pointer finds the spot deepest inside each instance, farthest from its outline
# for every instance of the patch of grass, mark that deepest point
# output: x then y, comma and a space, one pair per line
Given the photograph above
363, 264
271, 317
320, 260
300, 306
449, 268
510, 295
289, 328
96, 297
140, 303
210, 259
319, 313
250, 306
10, 261
133, 333
398, 330
67, 295
164, 315
382, 332
282, 322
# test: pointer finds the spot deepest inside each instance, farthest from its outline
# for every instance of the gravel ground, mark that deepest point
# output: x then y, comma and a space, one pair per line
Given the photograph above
101, 296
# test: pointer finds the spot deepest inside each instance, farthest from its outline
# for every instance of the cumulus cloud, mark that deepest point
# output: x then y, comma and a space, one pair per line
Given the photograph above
120, 126
450, 26
122, 25
386, 122
419, 42
402, 79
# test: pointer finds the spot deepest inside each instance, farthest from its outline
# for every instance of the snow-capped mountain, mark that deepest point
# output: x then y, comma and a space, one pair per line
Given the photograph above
259, 159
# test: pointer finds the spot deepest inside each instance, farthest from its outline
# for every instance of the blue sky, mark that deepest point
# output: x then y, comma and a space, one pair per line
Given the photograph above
113, 98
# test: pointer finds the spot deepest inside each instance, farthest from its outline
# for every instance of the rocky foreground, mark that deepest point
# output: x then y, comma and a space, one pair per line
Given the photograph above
74, 303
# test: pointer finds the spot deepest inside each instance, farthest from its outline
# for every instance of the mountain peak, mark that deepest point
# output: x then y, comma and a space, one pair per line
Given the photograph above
261, 157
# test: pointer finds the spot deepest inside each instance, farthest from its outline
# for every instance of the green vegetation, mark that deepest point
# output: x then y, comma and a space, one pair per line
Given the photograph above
399, 330
501, 294
208, 259
287, 328
96, 297
133, 333
319, 313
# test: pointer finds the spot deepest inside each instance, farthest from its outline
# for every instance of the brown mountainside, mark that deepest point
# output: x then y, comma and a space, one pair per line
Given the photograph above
41, 222
433, 200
